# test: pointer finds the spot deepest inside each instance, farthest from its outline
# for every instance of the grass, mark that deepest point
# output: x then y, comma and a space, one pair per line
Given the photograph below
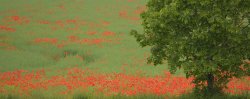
218, 96
149, 96
45, 55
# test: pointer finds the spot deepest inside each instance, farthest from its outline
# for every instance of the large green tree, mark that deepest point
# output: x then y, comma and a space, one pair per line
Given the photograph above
209, 39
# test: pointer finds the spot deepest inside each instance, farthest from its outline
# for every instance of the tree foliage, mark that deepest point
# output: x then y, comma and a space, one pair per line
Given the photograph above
209, 39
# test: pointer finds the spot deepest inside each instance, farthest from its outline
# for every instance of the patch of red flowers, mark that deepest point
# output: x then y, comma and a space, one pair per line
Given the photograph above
140, 9
236, 86
112, 83
5, 28
78, 40
20, 19
123, 13
91, 41
73, 38
46, 40
108, 33
105, 23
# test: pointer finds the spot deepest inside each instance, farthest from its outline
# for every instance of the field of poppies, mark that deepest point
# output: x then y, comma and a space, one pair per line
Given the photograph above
59, 48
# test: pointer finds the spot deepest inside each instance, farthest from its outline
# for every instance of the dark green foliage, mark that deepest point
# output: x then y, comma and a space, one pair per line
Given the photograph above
71, 52
215, 96
210, 39
80, 97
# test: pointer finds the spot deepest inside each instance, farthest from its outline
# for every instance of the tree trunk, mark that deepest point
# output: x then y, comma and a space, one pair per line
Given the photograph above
210, 83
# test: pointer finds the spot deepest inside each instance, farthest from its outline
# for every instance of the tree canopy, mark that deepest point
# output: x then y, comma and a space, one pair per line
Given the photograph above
209, 39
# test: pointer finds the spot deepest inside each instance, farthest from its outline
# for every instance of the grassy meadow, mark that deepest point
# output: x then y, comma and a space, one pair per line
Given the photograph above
82, 49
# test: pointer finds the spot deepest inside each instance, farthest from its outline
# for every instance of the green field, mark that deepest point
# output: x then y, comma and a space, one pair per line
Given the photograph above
52, 35
116, 16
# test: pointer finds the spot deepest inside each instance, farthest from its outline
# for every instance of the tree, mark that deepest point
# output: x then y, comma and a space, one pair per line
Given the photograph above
209, 39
